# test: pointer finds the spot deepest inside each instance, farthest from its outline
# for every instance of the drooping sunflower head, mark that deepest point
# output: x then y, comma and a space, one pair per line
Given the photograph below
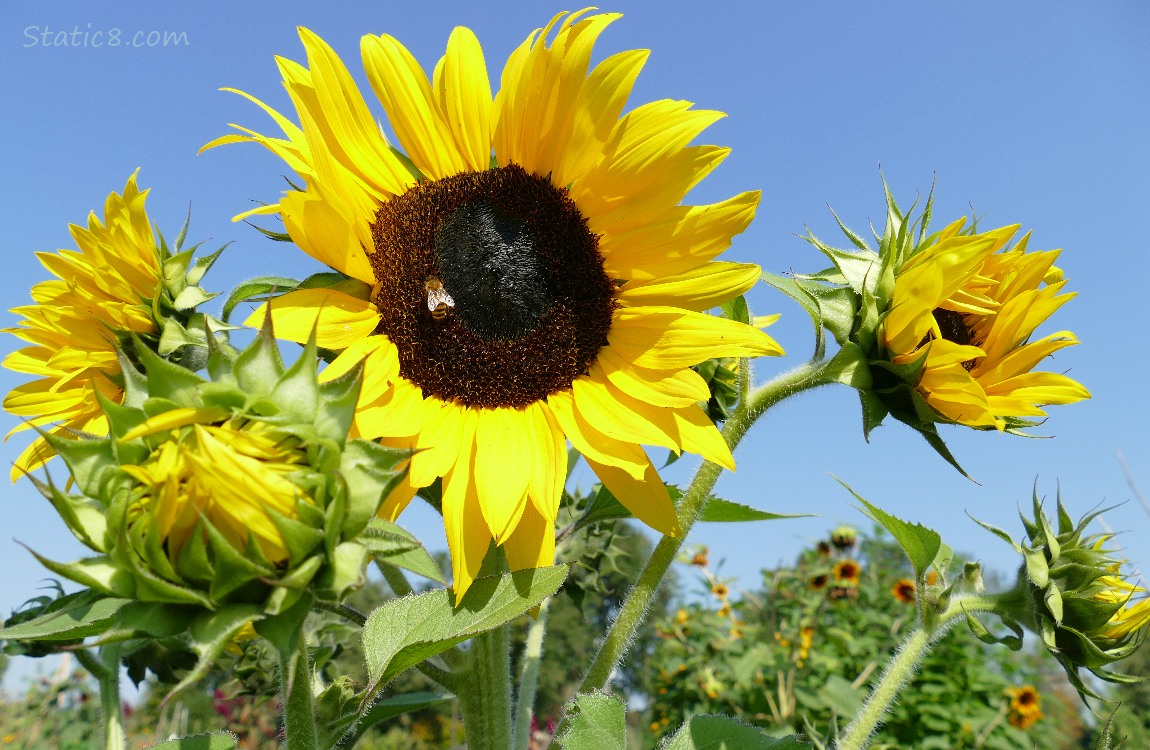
944, 323
240, 491
963, 312
123, 281
528, 273
1072, 592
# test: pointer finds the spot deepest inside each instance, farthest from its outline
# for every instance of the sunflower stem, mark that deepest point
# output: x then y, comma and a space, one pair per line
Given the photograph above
299, 706
902, 666
106, 669
634, 608
529, 678
485, 691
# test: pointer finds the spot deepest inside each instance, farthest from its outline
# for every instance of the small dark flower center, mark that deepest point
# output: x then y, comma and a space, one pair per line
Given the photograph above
491, 287
953, 327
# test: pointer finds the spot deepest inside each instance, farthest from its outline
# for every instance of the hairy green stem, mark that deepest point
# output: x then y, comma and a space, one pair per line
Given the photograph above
902, 666
299, 706
639, 598
529, 678
106, 670
485, 691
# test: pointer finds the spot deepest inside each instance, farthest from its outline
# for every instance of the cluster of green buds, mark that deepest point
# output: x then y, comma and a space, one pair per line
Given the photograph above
935, 327
1072, 593
182, 330
242, 491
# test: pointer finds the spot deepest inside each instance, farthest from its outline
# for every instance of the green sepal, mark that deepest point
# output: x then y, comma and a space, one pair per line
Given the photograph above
344, 571
370, 474
83, 516
211, 633
982, 633
168, 381
71, 617
393, 545
283, 628
97, 573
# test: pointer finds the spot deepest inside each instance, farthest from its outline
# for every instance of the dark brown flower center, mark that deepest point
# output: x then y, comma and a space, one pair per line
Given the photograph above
491, 287
953, 327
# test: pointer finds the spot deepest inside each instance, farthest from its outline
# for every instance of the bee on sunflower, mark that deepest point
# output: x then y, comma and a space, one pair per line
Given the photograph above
522, 274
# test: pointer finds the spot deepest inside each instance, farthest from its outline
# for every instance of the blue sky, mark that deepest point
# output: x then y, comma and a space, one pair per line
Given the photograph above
1030, 114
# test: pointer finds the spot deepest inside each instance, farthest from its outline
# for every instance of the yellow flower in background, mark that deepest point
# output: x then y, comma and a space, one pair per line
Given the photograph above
524, 276
1025, 706
903, 590
847, 571
102, 292
966, 308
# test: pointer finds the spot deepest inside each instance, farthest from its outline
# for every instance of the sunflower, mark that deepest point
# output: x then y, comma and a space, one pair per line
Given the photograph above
1025, 706
847, 572
525, 274
100, 295
964, 309
903, 590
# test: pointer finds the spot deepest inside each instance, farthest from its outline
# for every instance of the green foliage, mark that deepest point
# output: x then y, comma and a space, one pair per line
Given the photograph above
801, 655
404, 632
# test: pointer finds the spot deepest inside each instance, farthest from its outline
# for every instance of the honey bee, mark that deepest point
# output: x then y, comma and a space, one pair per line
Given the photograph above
438, 300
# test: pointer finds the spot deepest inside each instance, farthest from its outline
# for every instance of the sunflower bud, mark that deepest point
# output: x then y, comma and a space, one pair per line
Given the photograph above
239, 490
1072, 593
936, 327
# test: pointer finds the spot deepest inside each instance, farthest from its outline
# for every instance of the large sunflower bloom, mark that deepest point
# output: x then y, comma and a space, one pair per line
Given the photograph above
100, 294
533, 275
966, 309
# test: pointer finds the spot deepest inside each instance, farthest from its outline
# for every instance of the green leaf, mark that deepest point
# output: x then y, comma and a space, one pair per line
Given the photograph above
401, 704
255, 289
920, 543
213, 741
718, 510
74, 616
404, 632
391, 544
598, 722
724, 733
604, 506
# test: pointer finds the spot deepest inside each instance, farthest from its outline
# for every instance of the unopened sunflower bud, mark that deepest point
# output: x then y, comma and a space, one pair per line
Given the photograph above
242, 489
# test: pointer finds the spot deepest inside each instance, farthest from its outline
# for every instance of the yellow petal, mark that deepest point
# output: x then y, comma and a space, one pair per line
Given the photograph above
503, 458
683, 238
646, 497
532, 545
463, 95
402, 87
593, 444
674, 388
618, 415
699, 289
467, 535
664, 338
339, 320
549, 470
